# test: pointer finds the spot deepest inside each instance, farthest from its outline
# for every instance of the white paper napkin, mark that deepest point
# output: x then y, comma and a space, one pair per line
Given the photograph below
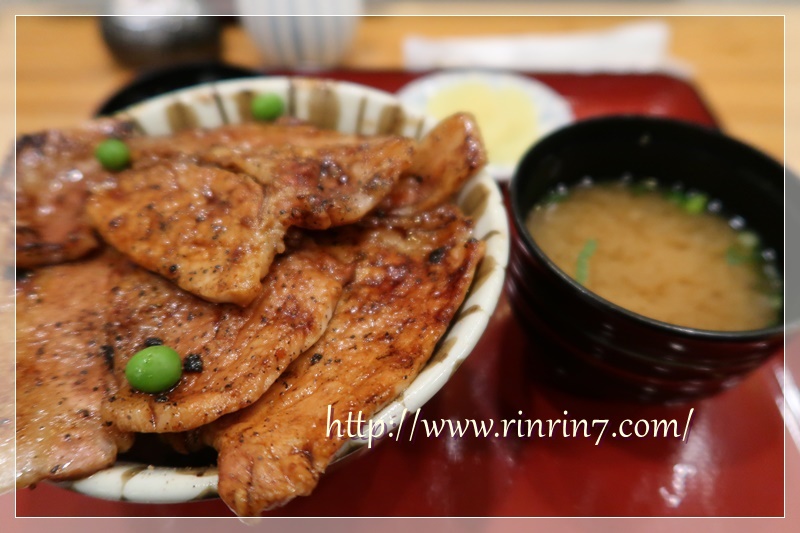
633, 47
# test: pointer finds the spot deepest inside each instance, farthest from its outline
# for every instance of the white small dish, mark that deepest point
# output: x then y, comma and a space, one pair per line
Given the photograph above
512, 111
349, 108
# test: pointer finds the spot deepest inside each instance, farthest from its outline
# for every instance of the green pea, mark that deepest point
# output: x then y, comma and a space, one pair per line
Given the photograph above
154, 369
266, 106
113, 154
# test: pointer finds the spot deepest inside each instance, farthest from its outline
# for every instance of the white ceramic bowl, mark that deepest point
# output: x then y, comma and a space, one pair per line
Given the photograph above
518, 111
302, 34
352, 109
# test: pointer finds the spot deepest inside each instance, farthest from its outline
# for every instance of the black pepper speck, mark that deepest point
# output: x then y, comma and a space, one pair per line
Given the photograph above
437, 255
193, 363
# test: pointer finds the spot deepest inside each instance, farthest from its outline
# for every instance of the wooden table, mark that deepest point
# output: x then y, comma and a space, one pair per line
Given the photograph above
64, 70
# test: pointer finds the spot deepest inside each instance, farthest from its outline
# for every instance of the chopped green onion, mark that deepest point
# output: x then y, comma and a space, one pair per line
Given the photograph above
695, 203
582, 266
745, 250
154, 369
641, 187
675, 196
748, 239
775, 301
554, 197
266, 107
737, 255
113, 154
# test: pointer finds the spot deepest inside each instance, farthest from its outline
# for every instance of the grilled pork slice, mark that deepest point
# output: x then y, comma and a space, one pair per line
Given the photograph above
64, 372
411, 276
231, 354
55, 169
323, 186
214, 226
208, 230
445, 159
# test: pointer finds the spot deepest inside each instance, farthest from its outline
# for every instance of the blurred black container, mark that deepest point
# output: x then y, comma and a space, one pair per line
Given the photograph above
160, 80
151, 41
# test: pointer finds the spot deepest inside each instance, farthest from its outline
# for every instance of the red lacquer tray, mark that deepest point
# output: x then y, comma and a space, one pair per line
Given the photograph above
731, 463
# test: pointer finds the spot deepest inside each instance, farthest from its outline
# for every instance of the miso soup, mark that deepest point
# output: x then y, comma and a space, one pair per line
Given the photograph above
667, 254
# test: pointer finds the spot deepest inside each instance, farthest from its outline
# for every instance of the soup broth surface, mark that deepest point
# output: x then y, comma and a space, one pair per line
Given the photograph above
648, 253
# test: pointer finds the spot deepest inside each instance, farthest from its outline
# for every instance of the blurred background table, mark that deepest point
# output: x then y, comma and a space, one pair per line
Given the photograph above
64, 70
